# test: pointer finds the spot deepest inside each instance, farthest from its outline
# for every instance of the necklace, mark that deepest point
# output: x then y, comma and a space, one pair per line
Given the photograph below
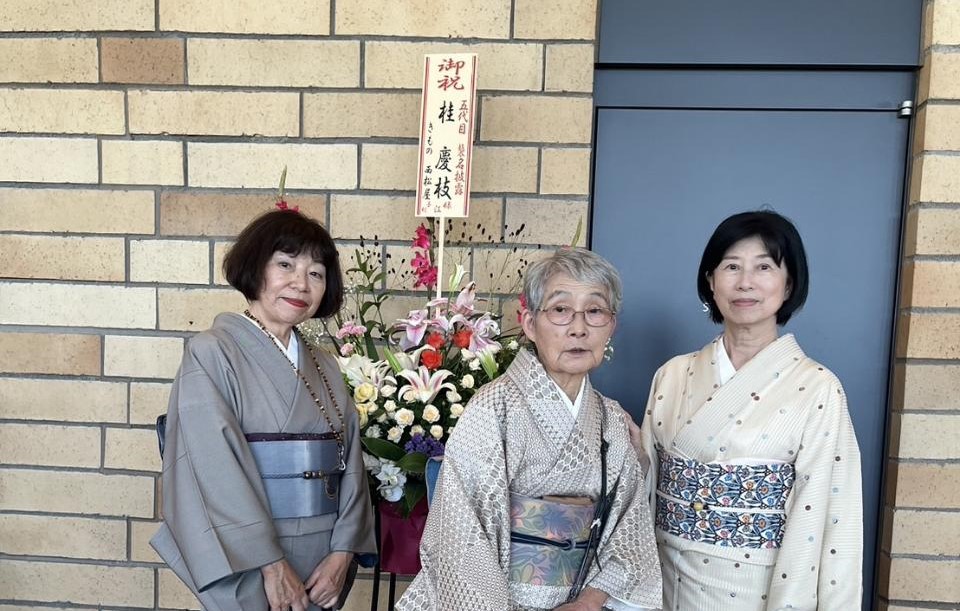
323, 376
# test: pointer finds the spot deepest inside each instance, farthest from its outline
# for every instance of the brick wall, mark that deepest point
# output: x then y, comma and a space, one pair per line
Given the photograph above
920, 558
138, 136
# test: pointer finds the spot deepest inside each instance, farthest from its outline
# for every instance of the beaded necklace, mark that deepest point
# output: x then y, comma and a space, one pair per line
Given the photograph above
323, 376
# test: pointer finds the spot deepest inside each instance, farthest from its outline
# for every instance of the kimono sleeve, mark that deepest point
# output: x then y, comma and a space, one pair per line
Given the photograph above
647, 453
214, 505
820, 564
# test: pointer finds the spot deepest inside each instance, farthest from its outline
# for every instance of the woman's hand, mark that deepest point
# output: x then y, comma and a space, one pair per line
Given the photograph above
590, 599
326, 581
283, 587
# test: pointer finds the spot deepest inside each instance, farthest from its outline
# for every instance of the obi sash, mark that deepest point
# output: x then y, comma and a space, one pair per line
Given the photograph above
301, 472
723, 504
548, 540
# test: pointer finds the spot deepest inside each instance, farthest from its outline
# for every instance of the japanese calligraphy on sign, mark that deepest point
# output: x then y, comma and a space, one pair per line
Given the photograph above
446, 134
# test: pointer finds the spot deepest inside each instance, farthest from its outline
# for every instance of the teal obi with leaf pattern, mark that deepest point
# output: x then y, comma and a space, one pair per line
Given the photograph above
548, 540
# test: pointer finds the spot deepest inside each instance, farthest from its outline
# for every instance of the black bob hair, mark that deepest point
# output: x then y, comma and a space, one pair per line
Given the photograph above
289, 232
783, 243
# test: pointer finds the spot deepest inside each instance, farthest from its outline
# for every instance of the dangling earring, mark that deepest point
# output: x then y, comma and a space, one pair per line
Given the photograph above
608, 350
706, 307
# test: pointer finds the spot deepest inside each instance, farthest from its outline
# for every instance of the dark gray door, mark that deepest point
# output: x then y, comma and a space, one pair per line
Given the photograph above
665, 177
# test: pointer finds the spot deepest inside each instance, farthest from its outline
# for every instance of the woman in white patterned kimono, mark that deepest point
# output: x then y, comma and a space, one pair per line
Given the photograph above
250, 399
755, 470
522, 479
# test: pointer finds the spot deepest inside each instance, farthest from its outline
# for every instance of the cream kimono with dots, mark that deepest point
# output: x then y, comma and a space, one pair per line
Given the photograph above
780, 407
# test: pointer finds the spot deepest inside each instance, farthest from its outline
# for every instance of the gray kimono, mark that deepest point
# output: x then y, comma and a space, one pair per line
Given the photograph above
217, 528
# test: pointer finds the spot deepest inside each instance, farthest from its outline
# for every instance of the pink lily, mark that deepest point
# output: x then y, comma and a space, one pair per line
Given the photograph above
414, 326
423, 385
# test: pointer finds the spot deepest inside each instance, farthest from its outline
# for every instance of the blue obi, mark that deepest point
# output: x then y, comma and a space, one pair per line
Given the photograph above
723, 504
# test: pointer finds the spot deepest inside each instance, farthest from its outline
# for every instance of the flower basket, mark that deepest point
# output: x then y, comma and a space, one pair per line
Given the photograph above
400, 537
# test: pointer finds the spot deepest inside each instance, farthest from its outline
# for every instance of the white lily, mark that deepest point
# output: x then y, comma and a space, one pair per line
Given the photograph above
362, 370
423, 385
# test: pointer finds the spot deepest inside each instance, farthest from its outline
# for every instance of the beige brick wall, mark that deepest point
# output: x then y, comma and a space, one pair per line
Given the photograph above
920, 543
140, 136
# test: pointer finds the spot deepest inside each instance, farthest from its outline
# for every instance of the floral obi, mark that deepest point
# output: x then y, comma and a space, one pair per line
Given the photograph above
723, 504
548, 540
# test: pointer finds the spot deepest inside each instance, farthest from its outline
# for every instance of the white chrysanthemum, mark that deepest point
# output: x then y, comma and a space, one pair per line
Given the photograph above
390, 405
374, 431
416, 429
474, 364
467, 381
453, 396
387, 391
404, 417
394, 434
431, 413
382, 418
410, 396
436, 431
456, 410
512, 345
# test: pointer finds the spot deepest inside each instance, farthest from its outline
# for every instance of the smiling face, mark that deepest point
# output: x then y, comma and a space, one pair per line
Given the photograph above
568, 352
749, 287
291, 293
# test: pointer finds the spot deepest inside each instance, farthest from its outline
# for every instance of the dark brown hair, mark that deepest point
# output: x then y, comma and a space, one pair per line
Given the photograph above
289, 232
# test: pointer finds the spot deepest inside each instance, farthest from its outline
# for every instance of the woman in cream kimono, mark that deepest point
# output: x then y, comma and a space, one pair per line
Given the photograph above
755, 470
525, 455
251, 378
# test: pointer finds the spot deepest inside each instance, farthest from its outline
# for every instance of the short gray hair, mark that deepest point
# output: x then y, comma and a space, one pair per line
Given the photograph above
580, 264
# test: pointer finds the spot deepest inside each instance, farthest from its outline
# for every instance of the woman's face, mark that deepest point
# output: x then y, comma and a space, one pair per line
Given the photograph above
575, 348
748, 285
292, 290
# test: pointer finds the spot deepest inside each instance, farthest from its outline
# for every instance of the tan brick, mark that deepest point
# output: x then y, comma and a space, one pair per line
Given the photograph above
926, 532
226, 214
944, 76
504, 169
50, 445
64, 400
309, 166
195, 309
181, 261
536, 119
55, 353
224, 113
77, 305
65, 111
79, 583
246, 16
483, 226
48, 60
499, 270
75, 492
68, 160
930, 436
387, 217
32, 256
173, 594
75, 15
941, 128
932, 231
569, 68
934, 284
142, 162
274, 63
938, 178
924, 485
929, 336
220, 250
565, 171
141, 357
142, 61
930, 386
945, 28
564, 19
462, 19
501, 66
361, 115
547, 221
147, 401
927, 580
131, 449
140, 535
25, 535
77, 210
389, 167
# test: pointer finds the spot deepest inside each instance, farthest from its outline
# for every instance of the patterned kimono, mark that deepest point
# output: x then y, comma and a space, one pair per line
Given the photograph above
755, 482
217, 528
517, 436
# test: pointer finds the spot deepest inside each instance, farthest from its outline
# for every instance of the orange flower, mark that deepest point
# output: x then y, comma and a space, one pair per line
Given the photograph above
431, 359
436, 340
461, 339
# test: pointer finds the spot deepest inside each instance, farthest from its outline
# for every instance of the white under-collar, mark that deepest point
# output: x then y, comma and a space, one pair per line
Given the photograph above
573, 406
725, 369
292, 351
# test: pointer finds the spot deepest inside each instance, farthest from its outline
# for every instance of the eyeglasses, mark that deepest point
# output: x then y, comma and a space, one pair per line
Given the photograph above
564, 315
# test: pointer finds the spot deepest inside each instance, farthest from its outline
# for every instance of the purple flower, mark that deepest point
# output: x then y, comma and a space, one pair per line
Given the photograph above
426, 445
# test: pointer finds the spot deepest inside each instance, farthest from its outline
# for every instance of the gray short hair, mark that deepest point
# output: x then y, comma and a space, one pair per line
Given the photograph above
580, 264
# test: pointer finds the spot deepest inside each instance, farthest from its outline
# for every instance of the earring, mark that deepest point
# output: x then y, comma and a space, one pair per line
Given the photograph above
608, 350
705, 307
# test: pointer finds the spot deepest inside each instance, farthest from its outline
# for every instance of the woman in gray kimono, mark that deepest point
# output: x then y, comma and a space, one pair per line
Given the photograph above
540, 503
247, 526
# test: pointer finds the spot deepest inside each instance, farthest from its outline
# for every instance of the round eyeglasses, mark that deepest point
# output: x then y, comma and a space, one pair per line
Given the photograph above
563, 315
